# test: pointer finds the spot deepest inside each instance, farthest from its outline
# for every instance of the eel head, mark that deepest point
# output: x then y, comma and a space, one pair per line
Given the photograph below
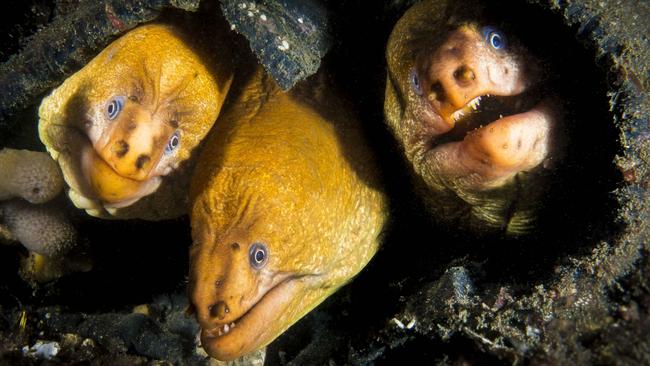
131, 117
470, 108
246, 289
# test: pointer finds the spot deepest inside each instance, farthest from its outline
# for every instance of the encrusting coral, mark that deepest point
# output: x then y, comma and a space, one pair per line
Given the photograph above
43, 229
29, 181
30, 175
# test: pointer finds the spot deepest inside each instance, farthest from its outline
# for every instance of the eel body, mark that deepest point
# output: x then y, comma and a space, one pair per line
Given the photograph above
286, 208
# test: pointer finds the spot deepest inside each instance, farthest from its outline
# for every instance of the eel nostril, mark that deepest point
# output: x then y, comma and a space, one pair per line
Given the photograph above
464, 74
437, 92
218, 310
142, 161
120, 148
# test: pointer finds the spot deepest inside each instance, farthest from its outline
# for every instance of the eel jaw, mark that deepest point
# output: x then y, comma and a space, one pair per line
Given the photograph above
258, 326
112, 189
494, 149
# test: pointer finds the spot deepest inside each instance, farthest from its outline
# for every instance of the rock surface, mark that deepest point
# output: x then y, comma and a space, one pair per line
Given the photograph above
289, 37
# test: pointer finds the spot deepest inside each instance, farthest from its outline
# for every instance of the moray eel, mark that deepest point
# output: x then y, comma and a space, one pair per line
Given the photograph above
125, 126
468, 104
286, 208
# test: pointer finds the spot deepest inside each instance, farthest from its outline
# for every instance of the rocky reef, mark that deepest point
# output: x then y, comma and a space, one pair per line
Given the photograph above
575, 292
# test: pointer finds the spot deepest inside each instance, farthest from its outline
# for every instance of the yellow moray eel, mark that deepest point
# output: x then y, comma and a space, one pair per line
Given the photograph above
286, 208
465, 101
124, 128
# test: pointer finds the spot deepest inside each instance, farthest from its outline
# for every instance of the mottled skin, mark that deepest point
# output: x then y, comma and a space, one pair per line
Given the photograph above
169, 90
291, 172
472, 160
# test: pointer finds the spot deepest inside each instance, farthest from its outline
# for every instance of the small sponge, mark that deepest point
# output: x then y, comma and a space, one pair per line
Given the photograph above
30, 175
43, 229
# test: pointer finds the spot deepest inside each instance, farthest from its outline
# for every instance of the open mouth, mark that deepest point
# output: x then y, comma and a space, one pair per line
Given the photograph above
271, 301
486, 109
221, 330
258, 326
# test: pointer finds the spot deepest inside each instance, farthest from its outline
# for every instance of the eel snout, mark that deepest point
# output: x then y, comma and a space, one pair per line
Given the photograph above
238, 306
488, 119
464, 69
122, 165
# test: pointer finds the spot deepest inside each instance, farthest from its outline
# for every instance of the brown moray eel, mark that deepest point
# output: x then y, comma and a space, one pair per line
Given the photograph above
466, 102
286, 209
125, 126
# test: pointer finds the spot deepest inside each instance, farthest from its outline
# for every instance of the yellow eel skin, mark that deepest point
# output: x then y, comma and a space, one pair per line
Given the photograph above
125, 127
286, 208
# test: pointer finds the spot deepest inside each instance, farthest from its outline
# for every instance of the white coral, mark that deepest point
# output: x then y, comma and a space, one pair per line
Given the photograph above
43, 229
30, 175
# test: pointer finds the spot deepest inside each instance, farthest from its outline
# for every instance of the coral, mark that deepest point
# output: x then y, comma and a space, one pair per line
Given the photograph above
30, 175
43, 229
40, 227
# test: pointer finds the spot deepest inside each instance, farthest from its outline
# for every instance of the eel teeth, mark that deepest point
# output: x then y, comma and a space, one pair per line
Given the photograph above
457, 115
472, 105
226, 328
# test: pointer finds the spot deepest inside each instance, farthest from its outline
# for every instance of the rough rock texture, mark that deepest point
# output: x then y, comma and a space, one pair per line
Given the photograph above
163, 333
289, 37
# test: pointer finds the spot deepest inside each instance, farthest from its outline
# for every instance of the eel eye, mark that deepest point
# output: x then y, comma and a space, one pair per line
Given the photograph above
258, 255
173, 142
495, 38
415, 82
114, 107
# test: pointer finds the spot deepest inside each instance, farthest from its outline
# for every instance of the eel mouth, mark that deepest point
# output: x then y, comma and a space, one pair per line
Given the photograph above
107, 185
254, 329
492, 139
94, 184
484, 110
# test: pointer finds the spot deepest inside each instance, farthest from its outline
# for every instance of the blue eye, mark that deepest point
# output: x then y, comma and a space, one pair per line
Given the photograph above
173, 143
495, 38
114, 107
258, 255
415, 81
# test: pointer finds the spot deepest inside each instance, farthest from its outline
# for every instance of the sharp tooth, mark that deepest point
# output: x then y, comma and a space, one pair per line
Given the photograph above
220, 333
232, 325
226, 328
474, 103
